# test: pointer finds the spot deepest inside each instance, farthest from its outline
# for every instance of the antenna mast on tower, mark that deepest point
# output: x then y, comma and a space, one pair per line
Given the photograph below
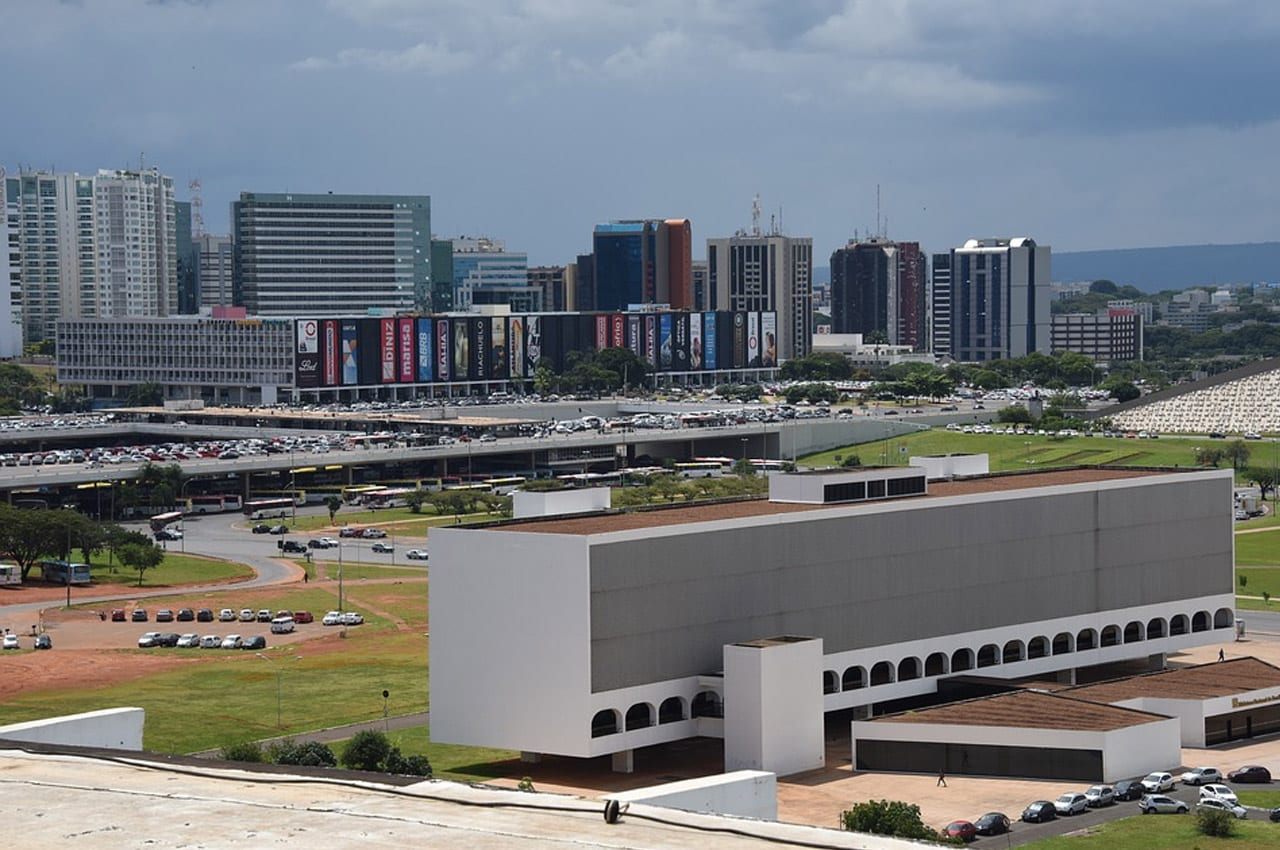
755, 216
197, 209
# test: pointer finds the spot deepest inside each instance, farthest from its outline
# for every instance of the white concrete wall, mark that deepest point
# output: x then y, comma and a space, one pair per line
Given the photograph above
555, 502
111, 728
1189, 713
1139, 750
742, 793
937, 468
510, 641
773, 716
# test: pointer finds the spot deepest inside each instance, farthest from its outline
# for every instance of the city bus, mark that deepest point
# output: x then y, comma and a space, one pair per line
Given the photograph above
162, 521
700, 469
10, 574
65, 572
505, 486
215, 503
268, 508
388, 497
355, 494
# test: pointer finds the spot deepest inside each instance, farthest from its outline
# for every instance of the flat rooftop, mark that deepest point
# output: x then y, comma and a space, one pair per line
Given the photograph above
1028, 710
1203, 681
685, 514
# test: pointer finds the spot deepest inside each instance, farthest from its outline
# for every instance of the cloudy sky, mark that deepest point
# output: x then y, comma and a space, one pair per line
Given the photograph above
1083, 123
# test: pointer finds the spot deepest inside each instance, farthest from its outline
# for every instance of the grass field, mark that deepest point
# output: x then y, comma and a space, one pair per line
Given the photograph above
1261, 549
1163, 832
1259, 799
174, 570
406, 521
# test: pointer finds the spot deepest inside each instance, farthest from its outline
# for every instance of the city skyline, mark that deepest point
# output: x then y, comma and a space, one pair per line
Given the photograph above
1105, 127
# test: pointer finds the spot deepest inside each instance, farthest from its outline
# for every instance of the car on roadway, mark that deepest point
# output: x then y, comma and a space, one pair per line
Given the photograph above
291, 546
1100, 795
1039, 812
11, 642
1201, 776
164, 615
416, 555
384, 548
231, 642
43, 641
226, 615
303, 617
350, 531
278, 529
1160, 804
261, 528
333, 618
189, 640
373, 533
204, 615
351, 618
168, 534
1249, 773
210, 642
1274, 817
1158, 783
486, 437
992, 823
1128, 789
1217, 791
960, 829
1071, 804
149, 639
254, 642
247, 615
322, 543
1214, 804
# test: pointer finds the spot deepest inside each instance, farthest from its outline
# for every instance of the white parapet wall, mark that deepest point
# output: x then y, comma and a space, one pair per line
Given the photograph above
742, 793
941, 467
558, 502
111, 728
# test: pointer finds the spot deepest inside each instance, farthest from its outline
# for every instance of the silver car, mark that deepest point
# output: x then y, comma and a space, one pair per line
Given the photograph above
1071, 804
1159, 804
1234, 809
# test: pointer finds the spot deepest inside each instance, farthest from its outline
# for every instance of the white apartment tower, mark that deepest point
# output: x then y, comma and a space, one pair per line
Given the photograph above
764, 272
137, 245
11, 281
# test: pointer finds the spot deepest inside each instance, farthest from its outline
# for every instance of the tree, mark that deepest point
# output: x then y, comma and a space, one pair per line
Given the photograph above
1208, 457
148, 394
1238, 453
366, 750
744, 467
1015, 413
1263, 478
139, 557
887, 817
334, 503
1105, 287
850, 462
1244, 580
819, 366
28, 536
1125, 391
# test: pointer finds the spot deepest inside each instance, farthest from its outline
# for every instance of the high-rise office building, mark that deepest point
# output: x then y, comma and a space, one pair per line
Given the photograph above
485, 272
10, 281
188, 292
700, 285
878, 286
556, 285
940, 305
584, 288
437, 296
93, 246
215, 270
327, 254
766, 272
643, 261
999, 300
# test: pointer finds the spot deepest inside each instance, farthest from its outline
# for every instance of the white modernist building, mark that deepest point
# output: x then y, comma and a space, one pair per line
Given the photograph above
607, 633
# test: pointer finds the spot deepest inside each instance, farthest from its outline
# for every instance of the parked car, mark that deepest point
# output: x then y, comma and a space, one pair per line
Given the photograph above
1249, 773
43, 641
1071, 804
303, 617
1274, 817
254, 642
416, 554
189, 640
1217, 791
231, 642
384, 548
1228, 806
1039, 812
291, 546
333, 618
350, 531
168, 639
992, 823
204, 615
373, 533
1201, 776
186, 615
351, 618
264, 615
281, 625
1100, 795
149, 639
1156, 783
1128, 789
11, 642
117, 615
962, 829
210, 642
226, 615
261, 528
247, 615
164, 615
1159, 804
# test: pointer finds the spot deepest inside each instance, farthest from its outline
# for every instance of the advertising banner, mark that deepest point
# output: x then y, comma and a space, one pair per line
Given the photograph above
769, 340
753, 339
602, 332
651, 340
617, 337
680, 362
739, 340
709, 346
665, 342
330, 352
308, 336
515, 343
404, 349
695, 342
426, 352
498, 350
444, 351
307, 358
370, 351
478, 368
634, 336
461, 350
388, 359
532, 344
350, 353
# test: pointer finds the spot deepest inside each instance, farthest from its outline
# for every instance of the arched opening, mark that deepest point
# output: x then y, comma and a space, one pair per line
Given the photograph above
604, 723
1038, 648
1200, 622
639, 716
853, 678
908, 668
1133, 632
882, 673
671, 710
1156, 628
1013, 651
830, 682
1087, 639
1179, 625
989, 655
1224, 618
1110, 635
961, 659
706, 704
935, 664
1062, 643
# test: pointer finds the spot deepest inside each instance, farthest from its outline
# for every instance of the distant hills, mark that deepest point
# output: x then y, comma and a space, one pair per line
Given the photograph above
1174, 267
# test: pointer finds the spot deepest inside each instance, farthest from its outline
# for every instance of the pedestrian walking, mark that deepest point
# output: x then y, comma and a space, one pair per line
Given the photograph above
942, 779
1222, 655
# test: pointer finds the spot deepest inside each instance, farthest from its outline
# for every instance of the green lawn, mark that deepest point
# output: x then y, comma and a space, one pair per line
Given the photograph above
1163, 832
353, 571
406, 521
1260, 549
174, 570
1260, 799
452, 761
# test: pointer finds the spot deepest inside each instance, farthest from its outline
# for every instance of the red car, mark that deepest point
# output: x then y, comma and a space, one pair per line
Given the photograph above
962, 829
117, 615
303, 617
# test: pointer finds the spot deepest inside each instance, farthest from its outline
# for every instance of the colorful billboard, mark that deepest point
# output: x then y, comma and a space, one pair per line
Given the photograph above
461, 350
635, 336
695, 342
478, 367
307, 359
533, 344
387, 335
515, 346
444, 352
426, 352
404, 351
739, 340
709, 333
769, 340
602, 333
618, 335
350, 352
680, 350
651, 340
498, 350
330, 353
753, 340
666, 355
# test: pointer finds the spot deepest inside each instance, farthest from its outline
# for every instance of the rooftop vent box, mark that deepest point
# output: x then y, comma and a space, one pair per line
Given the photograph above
840, 486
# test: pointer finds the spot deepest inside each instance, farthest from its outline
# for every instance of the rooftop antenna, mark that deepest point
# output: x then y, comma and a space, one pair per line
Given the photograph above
879, 232
755, 215
197, 208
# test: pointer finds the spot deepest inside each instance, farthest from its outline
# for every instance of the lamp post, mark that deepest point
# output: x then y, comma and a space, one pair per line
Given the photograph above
293, 490
339, 573
279, 683
743, 440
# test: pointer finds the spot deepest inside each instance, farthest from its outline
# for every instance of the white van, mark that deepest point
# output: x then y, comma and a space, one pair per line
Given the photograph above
281, 625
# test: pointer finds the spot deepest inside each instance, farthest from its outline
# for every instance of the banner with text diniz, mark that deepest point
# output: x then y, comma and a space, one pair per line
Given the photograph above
388, 359
308, 356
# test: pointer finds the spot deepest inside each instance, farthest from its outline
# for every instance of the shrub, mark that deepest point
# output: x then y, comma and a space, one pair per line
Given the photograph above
244, 751
306, 754
407, 765
887, 817
1215, 823
366, 751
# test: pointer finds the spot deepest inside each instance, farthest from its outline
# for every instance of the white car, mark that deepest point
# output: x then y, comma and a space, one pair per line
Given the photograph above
1071, 804
230, 642
226, 615
1217, 791
281, 625
1223, 806
1201, 776
1158, 783
189, 640
148, 639
333, 618
326, 543
247, 615
210, 642
351, 618
11, 642
416, 554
